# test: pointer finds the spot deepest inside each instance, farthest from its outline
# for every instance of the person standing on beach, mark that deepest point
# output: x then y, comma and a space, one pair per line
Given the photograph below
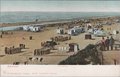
107, 42
115, 61
112, 42
1, 36
41, 59
103, 43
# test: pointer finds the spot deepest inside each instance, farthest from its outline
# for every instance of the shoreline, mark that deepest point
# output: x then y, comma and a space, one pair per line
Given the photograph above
61, 21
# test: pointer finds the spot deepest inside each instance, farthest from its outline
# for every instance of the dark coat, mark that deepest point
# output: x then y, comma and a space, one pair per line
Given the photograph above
111, 41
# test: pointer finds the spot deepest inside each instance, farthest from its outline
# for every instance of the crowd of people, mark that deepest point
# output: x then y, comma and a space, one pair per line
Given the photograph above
108, 43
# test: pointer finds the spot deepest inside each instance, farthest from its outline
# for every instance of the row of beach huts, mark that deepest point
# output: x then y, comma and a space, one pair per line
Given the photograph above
33, 28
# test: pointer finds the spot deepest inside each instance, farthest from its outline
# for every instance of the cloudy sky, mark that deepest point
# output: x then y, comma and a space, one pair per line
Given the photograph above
60, 6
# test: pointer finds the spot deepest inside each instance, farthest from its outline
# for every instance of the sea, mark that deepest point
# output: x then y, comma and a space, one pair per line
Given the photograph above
13, 17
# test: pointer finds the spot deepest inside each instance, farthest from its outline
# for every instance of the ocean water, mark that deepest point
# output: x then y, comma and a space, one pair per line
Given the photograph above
12, 17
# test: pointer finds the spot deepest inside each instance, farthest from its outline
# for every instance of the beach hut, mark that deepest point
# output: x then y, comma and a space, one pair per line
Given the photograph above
63, 49
100, 33
34, 28
73, 47
91, 31
71, 31
89, 26
115, 32
26, 28
76, 30
60, 31
88, 36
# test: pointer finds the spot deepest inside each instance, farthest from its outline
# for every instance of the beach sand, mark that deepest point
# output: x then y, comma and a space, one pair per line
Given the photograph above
55, 56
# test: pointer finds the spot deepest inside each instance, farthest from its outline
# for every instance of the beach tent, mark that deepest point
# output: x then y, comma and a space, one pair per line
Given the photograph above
115, 32
88, 36
71, 31
100, 33
89, 26
64, 49
26, 28
36, 29
73, 47
76, 30
91, 31
60, 31
31, 28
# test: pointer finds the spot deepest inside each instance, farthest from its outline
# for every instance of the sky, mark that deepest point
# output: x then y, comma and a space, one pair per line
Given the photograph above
60, 6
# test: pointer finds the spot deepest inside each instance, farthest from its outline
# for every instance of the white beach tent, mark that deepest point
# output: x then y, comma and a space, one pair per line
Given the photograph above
26, 28
100, 33
63, 48
115, 32
90, 31
71, 31
76, 30
31, 28
35, 29
60, 31
89, 24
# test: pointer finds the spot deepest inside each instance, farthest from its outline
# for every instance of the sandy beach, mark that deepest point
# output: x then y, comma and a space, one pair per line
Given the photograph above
55, 56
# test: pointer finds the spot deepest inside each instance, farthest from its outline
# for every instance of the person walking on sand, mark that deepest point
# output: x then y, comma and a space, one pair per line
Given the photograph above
107, 42
111, 42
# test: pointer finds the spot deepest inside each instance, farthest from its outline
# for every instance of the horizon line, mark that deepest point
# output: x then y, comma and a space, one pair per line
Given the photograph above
60, 11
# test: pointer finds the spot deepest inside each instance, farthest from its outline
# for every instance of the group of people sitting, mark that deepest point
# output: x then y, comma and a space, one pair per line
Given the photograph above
107, 44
